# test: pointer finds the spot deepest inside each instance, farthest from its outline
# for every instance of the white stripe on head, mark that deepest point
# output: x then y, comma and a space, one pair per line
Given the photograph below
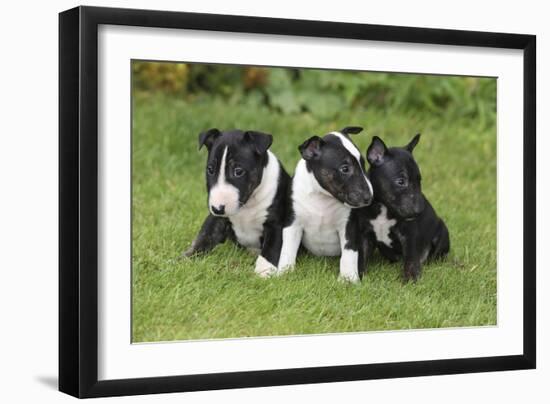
221, 176
369, 184
223, 193
354, 151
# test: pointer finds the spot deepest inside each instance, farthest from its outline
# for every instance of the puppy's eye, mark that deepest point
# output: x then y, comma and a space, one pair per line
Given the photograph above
238, 172
344, 169
402, 182
210, 169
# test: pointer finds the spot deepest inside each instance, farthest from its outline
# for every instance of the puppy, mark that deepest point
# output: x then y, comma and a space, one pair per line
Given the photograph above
328, 184
401, 220
247, 195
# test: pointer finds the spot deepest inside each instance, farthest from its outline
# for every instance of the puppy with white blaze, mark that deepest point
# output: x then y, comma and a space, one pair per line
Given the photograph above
247, 196
329, 183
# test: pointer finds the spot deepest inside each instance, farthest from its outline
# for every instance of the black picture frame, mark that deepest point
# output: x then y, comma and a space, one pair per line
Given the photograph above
78, 201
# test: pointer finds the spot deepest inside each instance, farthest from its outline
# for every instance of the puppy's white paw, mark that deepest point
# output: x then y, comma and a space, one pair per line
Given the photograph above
349, 276
264, 269
285, 269
348, 266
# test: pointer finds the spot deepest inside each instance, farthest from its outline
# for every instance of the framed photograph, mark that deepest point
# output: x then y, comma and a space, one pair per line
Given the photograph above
251, 201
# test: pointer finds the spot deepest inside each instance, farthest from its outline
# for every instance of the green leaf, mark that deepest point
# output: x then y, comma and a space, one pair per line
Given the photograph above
285, 101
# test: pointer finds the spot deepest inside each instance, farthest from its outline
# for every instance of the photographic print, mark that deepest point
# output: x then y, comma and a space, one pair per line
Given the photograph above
271, 201
249, 201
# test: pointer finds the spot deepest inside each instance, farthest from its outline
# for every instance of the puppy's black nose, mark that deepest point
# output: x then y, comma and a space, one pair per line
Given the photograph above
357, 199
365, 201
220, 210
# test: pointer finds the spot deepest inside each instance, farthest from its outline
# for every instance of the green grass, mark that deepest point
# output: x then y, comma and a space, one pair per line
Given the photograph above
219, 296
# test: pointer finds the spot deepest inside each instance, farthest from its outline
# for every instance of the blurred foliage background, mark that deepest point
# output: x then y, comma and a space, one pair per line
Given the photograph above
323, 94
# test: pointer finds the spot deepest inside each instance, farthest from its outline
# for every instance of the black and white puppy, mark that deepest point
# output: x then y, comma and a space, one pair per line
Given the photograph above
247, 195
401, 220
329, 182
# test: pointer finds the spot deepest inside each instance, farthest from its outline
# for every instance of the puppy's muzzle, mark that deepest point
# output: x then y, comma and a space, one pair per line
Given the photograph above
359, 200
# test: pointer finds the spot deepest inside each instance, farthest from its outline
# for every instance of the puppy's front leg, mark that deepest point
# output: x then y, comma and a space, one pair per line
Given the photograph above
292, 237
349, 260
266, 263
411, 255
411, 269
366, 246
440, 242
214, 231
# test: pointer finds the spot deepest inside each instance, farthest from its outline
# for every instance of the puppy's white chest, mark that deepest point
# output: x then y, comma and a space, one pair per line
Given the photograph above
248, 229
382, 226
322, 219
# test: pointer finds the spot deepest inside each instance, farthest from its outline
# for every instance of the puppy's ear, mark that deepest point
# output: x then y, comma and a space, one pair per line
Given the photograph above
351, 130
376, 151
412, 144
208, 138
260, 141
311, 148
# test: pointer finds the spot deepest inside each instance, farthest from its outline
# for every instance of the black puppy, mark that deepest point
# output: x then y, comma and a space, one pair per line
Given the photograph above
401, 221
247, 195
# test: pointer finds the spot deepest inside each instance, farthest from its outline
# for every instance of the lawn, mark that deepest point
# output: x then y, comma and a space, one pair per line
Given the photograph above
219, 296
